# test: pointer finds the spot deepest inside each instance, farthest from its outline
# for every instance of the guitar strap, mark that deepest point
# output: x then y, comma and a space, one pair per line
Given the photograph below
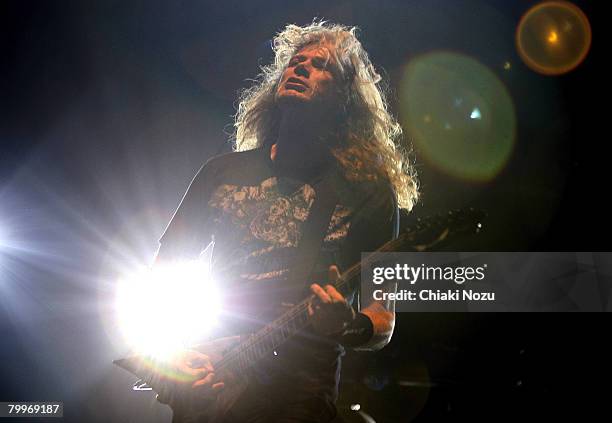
314, 230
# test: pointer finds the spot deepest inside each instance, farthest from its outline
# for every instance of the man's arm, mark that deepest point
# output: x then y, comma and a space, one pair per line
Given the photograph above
186, 234
370, 327
382, 316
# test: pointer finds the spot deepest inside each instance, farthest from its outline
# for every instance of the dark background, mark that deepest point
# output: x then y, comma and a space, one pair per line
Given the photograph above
108, 108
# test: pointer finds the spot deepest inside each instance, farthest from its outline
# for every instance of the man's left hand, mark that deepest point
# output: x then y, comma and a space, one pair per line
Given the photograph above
329, 311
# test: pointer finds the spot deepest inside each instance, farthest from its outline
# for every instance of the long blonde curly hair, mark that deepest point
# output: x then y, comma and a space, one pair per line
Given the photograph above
369, 147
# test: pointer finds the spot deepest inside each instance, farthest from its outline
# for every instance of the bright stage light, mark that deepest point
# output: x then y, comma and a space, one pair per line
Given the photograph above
167, 308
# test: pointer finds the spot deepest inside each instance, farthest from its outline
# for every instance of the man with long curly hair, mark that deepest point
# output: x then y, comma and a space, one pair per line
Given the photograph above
316, 121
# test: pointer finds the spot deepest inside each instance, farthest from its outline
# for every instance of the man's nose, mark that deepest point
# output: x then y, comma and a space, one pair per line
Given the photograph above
301, 70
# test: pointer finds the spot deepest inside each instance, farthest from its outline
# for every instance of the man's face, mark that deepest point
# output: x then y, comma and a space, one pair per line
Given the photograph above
308, 78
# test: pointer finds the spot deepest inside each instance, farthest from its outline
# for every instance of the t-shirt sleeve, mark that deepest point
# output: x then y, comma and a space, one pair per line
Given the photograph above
376, 222
187, 233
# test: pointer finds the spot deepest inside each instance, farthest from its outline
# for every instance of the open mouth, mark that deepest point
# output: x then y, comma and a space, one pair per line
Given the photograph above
296, 84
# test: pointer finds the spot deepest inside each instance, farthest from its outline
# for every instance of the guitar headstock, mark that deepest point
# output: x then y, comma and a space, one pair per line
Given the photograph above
436, 230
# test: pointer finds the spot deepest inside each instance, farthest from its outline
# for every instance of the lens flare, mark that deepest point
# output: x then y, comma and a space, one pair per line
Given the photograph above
553, 37
458, 114
167, 308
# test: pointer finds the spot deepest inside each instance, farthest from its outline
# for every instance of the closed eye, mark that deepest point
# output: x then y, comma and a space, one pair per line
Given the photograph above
295, 60
319, 63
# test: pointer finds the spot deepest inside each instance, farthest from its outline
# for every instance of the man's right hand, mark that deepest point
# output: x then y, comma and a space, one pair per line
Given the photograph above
187, 376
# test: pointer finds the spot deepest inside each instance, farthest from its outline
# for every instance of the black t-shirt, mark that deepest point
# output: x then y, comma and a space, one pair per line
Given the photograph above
256, 215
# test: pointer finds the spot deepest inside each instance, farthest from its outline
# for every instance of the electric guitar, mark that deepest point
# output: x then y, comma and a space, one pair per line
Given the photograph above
233, 357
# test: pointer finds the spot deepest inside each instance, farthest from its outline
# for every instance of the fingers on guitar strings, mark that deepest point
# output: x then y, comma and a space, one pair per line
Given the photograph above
333, 273
333, 294
208, 383
321, 293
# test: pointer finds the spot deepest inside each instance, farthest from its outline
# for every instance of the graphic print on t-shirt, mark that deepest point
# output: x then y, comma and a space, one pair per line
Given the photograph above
266, 226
